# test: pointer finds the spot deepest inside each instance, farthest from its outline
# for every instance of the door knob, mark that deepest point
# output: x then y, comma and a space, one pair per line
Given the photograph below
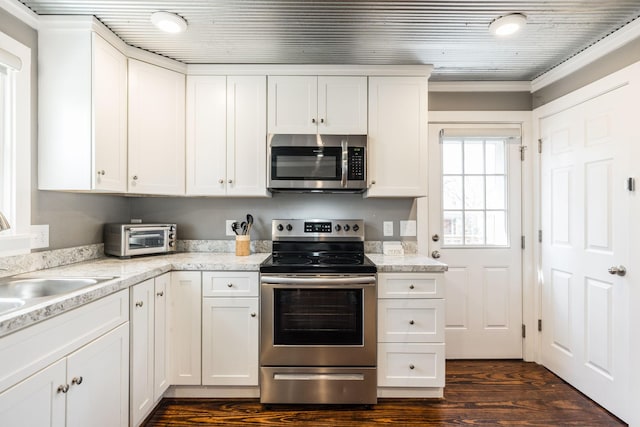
435, 254
619, 270
435, 237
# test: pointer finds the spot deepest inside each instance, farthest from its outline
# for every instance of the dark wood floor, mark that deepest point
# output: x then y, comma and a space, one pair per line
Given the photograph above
478, 393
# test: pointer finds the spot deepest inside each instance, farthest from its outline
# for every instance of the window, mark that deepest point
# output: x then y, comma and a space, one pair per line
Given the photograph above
475, 189
15, 144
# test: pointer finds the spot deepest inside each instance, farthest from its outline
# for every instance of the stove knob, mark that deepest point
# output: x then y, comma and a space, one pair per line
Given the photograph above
289, 227
356, 227
346, 227
338, 228
280, 227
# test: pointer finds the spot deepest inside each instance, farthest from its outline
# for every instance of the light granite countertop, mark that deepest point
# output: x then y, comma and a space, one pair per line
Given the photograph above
128, 272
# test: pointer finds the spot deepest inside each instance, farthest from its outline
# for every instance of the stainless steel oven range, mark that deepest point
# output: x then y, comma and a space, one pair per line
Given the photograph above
318, 315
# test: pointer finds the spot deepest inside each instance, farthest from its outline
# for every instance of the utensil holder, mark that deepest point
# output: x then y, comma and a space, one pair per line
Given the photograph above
243, 243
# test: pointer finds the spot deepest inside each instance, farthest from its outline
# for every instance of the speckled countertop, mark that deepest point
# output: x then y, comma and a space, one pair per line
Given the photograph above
125, 273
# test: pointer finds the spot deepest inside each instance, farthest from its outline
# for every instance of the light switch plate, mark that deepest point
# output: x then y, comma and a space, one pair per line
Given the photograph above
39, 236
228, 227
408, 228
387, 228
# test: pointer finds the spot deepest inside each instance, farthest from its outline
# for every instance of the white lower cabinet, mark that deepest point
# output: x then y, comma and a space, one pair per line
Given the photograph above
411, 358
230, 329
87, 387
149, 370
185, 323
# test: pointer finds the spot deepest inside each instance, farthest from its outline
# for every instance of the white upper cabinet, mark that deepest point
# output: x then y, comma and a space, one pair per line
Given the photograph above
226, 135
82, 133
397, 136
317, 104
156, 130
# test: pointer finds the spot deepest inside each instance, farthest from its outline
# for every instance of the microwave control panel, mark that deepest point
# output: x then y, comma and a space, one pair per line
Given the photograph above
356, 164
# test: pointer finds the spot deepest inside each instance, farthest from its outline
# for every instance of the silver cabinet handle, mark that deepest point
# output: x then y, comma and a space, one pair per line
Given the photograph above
139, 304
619, 270
160, 294
253, 314
63, 388
221, 181
435, 254
76, 380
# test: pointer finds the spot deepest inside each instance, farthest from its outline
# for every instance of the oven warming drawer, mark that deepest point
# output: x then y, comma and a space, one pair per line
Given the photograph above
318, 385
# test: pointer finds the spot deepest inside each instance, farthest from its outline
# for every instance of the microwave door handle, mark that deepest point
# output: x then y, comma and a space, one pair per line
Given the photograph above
345, 162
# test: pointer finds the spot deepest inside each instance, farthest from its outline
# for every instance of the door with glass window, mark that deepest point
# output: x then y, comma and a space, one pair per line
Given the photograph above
475, 228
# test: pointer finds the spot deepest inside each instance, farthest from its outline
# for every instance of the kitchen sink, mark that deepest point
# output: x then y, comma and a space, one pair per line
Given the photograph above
16, 292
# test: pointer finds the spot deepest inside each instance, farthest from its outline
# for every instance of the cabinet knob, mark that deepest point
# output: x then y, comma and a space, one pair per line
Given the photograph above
76, 380
253, 314
313, 120
63, 388
139, 304
134, 177
221, 181
321, 120
411, 366
411, 322
101, 172
229, 285
230, 181
411, 287
373, 182
161, 293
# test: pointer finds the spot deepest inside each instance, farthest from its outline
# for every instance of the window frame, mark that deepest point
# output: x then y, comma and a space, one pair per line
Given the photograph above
17, 239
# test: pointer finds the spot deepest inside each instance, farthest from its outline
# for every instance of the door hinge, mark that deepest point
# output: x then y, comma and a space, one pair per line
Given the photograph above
540, 236
522, 150
540, 146
539, 325
522, 242
524, 330
631, 184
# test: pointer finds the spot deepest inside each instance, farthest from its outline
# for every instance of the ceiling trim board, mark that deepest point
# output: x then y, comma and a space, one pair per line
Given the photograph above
20, 11
480, 86
309, 69
615, 40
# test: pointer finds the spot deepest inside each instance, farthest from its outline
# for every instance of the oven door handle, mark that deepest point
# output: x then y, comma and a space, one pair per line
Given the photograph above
282, 280
345, 162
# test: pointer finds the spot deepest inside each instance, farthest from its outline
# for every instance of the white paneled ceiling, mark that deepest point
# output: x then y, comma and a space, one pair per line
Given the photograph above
450, 34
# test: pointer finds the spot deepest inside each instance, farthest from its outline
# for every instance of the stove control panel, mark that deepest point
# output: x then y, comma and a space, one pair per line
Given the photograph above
317, 229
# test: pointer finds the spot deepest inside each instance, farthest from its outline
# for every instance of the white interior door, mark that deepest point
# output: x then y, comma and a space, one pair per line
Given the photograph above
585, 223
475, 225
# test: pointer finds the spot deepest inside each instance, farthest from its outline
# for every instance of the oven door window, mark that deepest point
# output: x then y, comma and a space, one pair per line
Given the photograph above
318, 317
306, 163
146, 239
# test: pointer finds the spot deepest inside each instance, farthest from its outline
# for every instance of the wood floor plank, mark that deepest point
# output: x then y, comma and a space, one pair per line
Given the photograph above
478, 393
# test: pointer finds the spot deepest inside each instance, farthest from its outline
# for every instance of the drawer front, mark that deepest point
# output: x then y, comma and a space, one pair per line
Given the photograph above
229, 283
410, 285
419, 320
411, 365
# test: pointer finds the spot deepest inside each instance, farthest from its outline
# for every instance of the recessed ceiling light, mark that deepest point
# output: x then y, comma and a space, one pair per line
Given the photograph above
168, 22
508, 24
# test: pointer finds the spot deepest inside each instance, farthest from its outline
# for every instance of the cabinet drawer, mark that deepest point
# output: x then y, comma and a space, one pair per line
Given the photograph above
410, 285
230, 283
419, 320
411, 365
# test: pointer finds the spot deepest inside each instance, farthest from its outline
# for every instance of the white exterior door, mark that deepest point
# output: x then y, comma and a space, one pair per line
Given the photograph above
585, 221
475, 225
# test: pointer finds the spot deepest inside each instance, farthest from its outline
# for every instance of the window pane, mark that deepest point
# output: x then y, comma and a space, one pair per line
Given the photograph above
452, 157
474, 192
474, 228
496, 193
452, 192
452, 226
473, 157
497, 228
495, 158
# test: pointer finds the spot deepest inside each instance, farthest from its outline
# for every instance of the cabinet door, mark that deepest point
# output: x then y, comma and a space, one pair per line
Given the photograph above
293, 104
207, 135
185, 308
161, 336
142, 349
397, 136
230, 341
98, 378
36, 401
246, 136
342, 105
109, 82
156, 130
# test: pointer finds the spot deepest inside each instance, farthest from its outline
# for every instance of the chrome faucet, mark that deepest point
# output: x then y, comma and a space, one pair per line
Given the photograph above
4, 224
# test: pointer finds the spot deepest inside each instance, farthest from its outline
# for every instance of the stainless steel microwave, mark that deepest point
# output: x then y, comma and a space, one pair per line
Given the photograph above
127, 240
317, 163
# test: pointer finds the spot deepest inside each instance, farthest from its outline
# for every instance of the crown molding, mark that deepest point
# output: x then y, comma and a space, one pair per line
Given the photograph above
480, 86
21, 12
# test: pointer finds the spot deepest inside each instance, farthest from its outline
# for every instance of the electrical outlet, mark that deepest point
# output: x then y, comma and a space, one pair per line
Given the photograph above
230, 232
408, 228
387, 228
39, 236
